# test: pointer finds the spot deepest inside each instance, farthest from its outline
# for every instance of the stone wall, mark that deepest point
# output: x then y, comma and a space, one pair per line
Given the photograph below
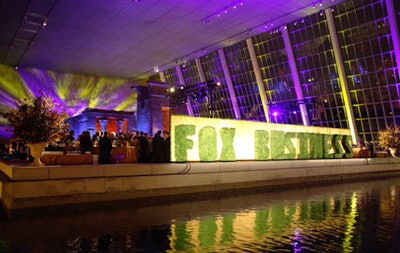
27, 187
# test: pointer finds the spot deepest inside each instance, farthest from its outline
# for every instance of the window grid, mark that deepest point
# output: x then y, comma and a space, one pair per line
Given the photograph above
277, 80
212, 68
171, 76
313, 51
190, 73
244, 81
368, 56
155, 78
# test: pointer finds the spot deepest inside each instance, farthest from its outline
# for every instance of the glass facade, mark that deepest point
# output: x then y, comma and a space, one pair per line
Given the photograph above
222, 106
317, 71
367, 57
277, 79
244, 81
155, 78
171, 76
191, 77
370, 66
191, 73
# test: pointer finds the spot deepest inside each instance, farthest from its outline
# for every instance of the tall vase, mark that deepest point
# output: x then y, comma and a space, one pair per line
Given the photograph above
393, 151
36, 150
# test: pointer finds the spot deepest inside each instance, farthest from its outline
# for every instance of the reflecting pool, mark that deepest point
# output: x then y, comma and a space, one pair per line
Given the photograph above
352, 217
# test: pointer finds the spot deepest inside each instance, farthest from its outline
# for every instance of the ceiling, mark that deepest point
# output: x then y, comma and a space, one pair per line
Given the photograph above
129, 38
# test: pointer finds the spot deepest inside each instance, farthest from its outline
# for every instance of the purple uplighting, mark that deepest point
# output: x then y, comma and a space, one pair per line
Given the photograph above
72, 92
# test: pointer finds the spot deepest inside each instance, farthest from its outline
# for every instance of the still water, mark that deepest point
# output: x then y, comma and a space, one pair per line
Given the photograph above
352, 217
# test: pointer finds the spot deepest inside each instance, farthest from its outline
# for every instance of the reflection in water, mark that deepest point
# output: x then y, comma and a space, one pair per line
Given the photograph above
357, 217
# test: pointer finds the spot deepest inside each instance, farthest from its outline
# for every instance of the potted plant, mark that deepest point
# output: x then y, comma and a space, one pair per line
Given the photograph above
389, 139
36, 122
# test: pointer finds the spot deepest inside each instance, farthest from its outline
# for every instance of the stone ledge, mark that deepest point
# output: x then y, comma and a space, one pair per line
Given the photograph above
27, 173
154, 195
71, 185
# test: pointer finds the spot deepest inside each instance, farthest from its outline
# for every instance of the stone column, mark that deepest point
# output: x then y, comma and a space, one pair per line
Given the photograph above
342, 75
295, 75
103, 124
120, 123
257, 73
229, 83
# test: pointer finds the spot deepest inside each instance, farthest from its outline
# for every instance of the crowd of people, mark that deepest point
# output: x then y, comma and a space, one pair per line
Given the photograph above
149, 149
16, 151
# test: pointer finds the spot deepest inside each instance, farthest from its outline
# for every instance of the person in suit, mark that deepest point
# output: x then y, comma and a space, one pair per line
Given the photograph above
105, 146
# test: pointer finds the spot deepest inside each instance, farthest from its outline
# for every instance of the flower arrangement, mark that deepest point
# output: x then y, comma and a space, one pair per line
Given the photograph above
37, 120
389, 138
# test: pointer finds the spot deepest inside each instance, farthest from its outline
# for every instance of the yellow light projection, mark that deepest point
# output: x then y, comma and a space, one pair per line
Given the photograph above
12, 86
73, 92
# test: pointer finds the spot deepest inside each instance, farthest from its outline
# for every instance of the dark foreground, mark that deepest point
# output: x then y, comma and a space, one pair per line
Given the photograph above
352, 217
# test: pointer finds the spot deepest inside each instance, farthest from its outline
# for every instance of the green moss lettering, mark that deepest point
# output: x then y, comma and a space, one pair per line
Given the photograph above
227, 152
316, 146
327, 143
277, 145
336, 140
304, 140
289, 145
182, 143
208, 144
261, 141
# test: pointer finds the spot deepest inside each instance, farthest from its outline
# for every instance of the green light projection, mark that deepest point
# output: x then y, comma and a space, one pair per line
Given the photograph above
13, 88
73, 92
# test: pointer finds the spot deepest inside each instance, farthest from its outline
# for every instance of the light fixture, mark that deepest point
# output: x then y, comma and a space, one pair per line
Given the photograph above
44, 23
29, 27
225, 10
